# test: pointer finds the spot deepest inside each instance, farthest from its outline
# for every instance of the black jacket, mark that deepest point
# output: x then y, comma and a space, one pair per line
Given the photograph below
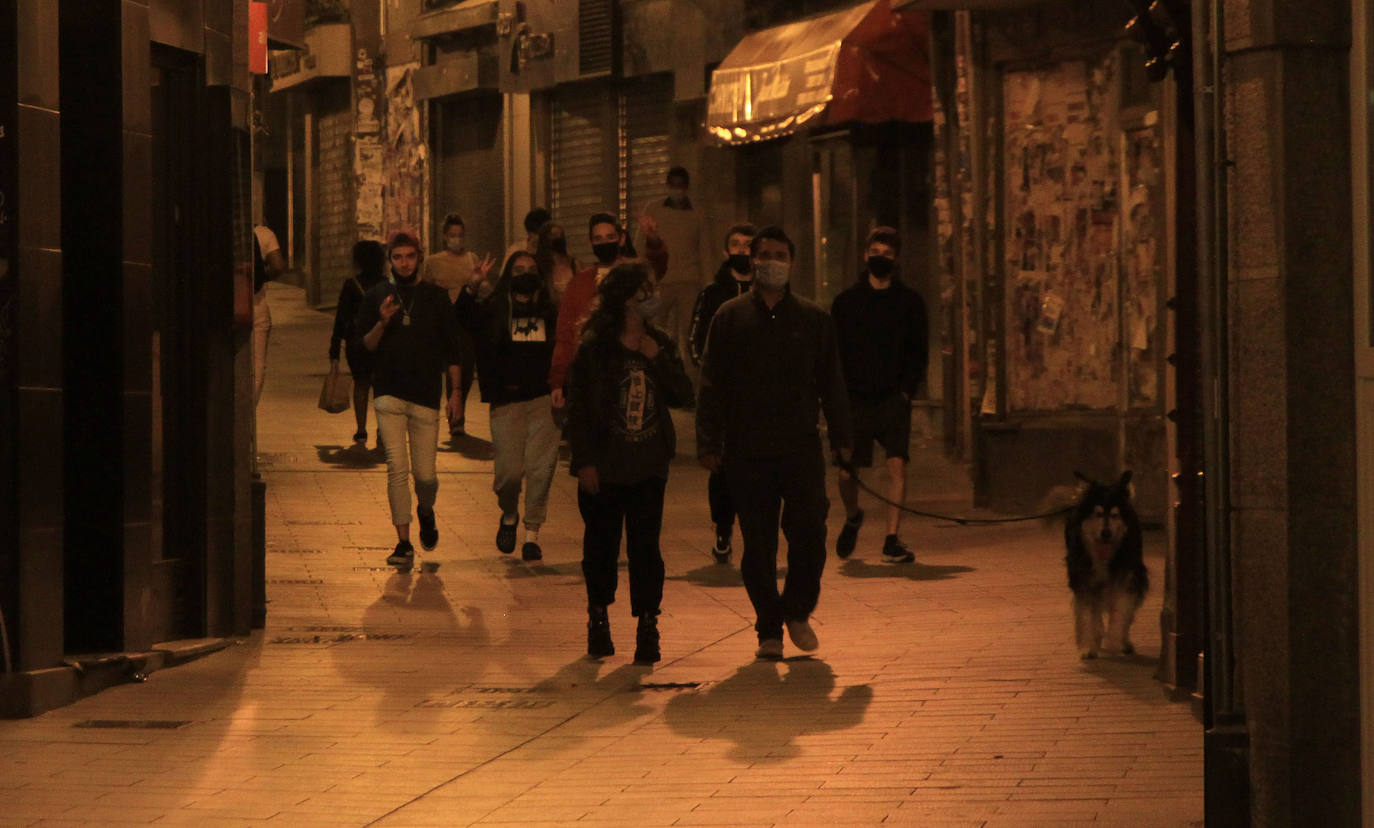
509, 370
723, 289
346, 313
882, 337
766, 376
594, 395
410, 359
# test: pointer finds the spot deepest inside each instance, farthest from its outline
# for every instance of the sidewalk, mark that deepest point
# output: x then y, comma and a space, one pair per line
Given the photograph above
946, 692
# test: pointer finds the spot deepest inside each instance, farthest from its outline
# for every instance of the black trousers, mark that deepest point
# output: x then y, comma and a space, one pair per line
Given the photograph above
718, 496
791, 488
639, 508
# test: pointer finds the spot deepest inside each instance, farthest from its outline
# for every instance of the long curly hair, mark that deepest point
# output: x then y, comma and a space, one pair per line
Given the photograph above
501, 304
620, 286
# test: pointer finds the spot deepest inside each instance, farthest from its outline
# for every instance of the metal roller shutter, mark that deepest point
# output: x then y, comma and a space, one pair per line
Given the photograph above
647, 117
582, 180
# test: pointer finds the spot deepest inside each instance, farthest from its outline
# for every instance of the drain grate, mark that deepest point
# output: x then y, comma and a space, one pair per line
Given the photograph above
296, 551
658, 686
305, 581
336, 639
486, 704
133, 724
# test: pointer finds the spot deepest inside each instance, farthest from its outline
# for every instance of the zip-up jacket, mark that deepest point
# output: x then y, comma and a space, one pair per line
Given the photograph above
767, 375
724, 288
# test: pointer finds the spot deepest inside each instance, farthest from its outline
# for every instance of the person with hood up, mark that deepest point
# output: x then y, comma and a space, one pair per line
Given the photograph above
513, 329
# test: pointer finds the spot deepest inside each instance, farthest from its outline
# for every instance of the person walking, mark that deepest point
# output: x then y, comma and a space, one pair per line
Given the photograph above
451, 269
880, 328
409, 326
369, 265
626, 376
534, 219
771, 368
732, 279
551, 252
608, 239
268, 266
680, 225
513, 329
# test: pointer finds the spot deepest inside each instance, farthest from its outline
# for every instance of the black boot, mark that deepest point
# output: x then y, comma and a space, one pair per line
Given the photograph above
646, 640
599, 643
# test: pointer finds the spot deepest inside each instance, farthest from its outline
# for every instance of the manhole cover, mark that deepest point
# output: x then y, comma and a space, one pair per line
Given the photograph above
133, 724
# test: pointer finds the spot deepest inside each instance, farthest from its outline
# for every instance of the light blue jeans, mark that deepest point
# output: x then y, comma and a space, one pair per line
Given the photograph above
410, 434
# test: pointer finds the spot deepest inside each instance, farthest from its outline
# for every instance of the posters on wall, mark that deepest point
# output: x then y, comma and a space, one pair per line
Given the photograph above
369, 167
406, 153
1062, 237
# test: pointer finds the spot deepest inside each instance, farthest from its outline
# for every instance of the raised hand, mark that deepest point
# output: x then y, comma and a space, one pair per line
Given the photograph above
479, 273
388, 308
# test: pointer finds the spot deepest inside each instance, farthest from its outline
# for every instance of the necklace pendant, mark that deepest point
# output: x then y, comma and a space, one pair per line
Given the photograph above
405, 319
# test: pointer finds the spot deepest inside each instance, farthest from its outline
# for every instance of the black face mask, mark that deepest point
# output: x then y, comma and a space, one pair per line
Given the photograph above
559, 245
525, 283
740, 262
881, 266
606, 252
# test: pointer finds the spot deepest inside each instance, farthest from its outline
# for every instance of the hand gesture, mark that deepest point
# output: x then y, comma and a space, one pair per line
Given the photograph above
479, 273
587, 480
388, 308
648, 346
648, 225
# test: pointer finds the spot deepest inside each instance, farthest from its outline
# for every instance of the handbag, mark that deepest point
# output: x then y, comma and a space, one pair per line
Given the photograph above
337, 393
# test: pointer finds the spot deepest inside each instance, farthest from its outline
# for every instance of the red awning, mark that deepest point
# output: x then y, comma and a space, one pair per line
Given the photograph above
867, 64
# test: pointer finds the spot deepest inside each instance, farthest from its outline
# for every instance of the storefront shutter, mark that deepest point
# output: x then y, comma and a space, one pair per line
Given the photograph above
582, 174
645, 142
470, 160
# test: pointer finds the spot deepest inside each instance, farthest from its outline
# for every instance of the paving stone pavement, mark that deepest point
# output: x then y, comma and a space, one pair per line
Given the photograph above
945, 692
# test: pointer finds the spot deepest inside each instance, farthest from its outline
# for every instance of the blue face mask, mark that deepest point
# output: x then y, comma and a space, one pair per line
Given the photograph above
648, 307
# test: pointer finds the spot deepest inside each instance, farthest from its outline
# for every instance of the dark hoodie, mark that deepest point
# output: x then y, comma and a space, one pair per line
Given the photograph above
514, 342
722, 290
882, 338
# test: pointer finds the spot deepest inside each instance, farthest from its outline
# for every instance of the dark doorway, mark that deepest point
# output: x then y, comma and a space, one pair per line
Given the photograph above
179, 344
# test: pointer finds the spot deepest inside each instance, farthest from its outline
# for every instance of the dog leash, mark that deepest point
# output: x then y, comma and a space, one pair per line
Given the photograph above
962, 521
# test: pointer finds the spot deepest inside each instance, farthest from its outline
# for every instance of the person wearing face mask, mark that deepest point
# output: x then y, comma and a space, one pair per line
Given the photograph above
450, 269
409, 326
771, 368
607, 238
551, 253
513, 328
880, 326
626, 376
682, 227
734, 278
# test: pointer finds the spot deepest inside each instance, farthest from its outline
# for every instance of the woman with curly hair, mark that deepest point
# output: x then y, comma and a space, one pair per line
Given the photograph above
513, 329
626, 375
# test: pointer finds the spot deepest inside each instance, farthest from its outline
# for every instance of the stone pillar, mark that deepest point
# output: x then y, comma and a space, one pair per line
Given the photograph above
1286, 87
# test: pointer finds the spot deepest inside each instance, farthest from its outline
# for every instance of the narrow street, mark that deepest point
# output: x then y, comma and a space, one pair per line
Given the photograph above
946, 692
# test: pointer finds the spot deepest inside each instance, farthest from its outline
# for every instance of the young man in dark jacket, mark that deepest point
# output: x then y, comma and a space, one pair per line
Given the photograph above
409, 326
880, 324
733, 279
771, 367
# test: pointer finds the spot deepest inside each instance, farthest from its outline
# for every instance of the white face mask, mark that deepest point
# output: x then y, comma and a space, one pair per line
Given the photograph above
648, 307
772, 275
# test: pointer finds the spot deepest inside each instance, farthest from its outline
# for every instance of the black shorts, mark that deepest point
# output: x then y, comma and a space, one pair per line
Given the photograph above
885, 419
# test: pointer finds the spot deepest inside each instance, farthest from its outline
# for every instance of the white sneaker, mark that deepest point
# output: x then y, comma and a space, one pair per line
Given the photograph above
802, 635
769, 648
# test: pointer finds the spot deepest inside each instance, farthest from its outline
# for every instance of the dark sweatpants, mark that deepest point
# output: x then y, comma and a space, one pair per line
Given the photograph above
795, 486
718, 496
639, 507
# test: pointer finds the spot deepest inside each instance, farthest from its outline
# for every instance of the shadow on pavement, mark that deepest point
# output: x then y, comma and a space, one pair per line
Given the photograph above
516, 568
468, 446
1132, 675
712, 575
765, 706
916, 571
351, 457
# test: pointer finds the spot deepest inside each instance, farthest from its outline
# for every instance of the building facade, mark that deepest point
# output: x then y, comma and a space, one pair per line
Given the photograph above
125, 378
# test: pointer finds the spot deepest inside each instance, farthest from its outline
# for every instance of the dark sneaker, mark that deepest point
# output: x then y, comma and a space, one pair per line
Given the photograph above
531, 552
849, 535
599, 633
360, 436
457, 429
894, 551
429, 533
403, 556
505, 536
769, 648
646, 640
722, 549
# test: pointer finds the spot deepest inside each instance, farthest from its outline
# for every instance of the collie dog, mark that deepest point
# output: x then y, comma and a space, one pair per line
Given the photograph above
1103, 555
